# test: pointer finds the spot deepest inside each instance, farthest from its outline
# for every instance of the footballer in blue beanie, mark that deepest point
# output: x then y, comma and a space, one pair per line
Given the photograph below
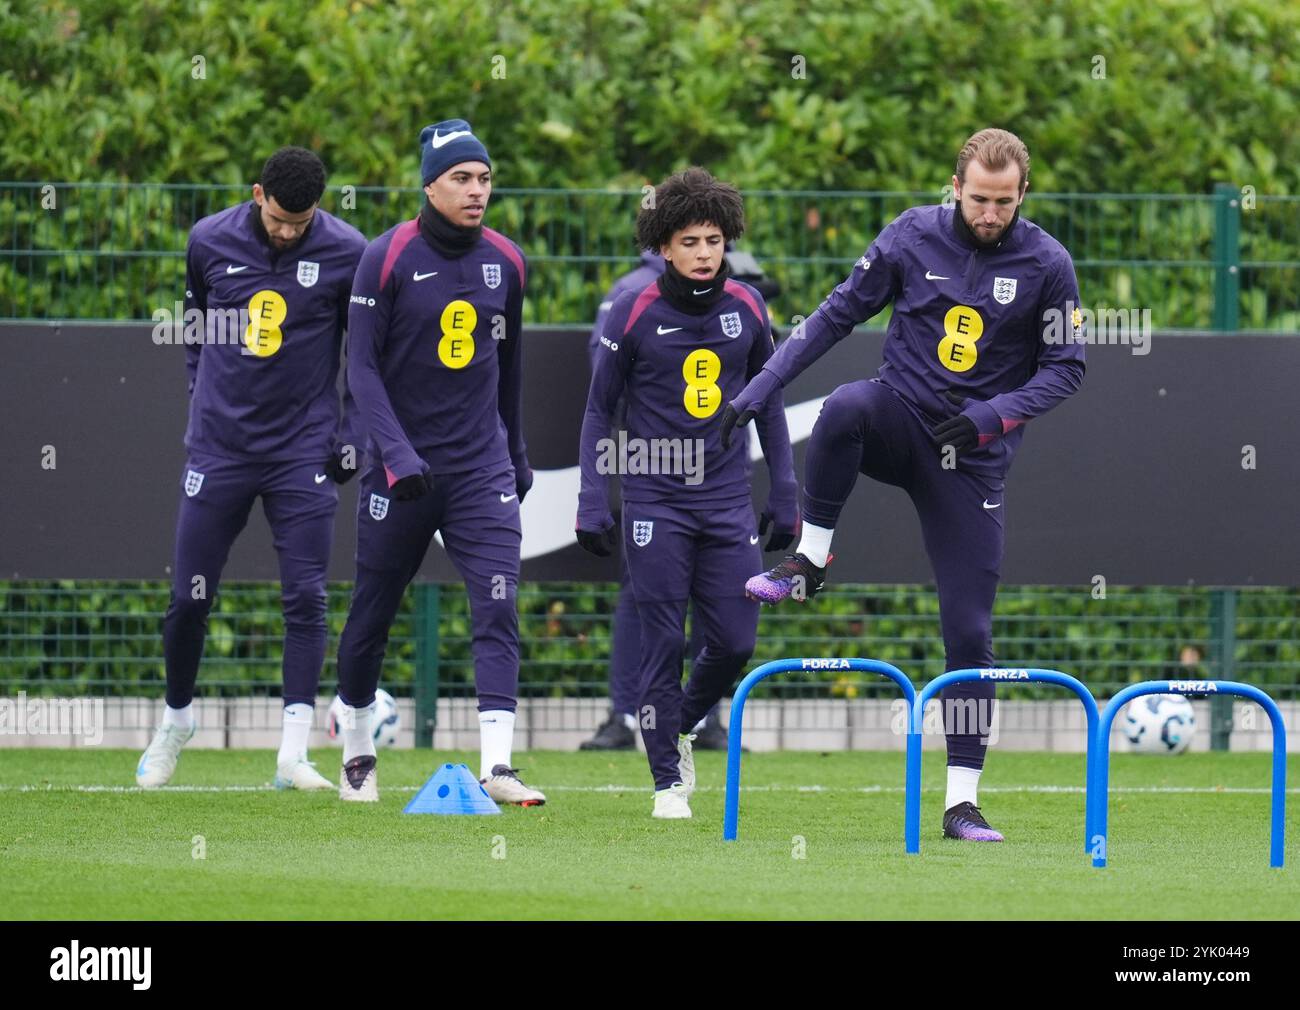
435, 366
448, 143
457, 176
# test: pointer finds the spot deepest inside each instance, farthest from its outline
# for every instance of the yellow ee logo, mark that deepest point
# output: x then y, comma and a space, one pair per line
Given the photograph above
703, 395
962, 326
456, 348
266, 312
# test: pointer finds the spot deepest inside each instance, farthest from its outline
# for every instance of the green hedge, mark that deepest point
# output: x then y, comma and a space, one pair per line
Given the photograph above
610, 93
106, 636
620, 91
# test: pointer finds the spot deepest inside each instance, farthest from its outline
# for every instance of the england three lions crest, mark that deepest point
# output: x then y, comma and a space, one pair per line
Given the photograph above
308, 272
378, 507
642, 532
1004, 290
193, 481
730, 324
492, 274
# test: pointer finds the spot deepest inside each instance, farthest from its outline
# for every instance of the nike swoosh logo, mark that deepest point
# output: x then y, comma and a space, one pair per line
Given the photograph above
319, 478
704, 292
753, 540
934, 277
547, 515
419, 276
988, 506
505, 498
671, 329
438, 141
235, 270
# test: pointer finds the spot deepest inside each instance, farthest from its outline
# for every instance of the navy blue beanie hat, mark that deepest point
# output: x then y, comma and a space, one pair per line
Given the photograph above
448, 143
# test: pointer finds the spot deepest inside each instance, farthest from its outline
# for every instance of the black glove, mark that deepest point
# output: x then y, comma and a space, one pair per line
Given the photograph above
960, 431
598, 542
729, 421
523, 481
783, 533
336, 470
742, 409
410, 488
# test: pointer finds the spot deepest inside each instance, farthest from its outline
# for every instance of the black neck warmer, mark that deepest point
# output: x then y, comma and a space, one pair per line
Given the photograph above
451, 240
689, 295
968, 238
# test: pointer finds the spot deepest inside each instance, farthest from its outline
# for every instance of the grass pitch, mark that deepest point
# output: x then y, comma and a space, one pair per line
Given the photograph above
1184, 842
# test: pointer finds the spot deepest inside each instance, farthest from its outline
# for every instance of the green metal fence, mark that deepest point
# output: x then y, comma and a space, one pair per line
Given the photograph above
1226, 260
103, 639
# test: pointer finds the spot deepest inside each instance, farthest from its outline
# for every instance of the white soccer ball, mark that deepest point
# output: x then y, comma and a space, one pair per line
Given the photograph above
1159, 723
384, 724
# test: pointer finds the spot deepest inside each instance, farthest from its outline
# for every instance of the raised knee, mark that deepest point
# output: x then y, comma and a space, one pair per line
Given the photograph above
844, 412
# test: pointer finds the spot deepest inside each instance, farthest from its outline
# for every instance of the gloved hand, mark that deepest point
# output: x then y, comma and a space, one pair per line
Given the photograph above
976, 425
337, 471
599, 542
740, 411
410, 488
523, 478
785, 522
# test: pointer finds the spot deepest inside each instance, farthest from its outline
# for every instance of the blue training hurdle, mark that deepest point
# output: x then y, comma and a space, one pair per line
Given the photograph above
1101, 783
1097, 762
912, 806
731, 816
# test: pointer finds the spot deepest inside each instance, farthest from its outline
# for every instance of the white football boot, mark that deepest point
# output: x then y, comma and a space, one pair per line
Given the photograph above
686, 761
300, 774
671, 803
505, 786
358, 782
158, 762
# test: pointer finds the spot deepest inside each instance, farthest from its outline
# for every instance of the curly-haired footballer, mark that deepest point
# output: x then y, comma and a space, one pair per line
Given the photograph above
677, 348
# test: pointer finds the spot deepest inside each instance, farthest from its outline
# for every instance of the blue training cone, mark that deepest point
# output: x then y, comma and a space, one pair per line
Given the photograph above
452, 789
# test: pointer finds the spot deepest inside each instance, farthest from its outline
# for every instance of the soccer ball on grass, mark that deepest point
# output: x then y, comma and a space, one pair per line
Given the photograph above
1159, 724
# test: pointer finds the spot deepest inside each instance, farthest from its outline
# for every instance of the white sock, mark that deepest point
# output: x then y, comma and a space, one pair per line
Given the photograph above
630, 722
297, 728
963, 786
815, 544
496, 734
358, 736
182, 717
